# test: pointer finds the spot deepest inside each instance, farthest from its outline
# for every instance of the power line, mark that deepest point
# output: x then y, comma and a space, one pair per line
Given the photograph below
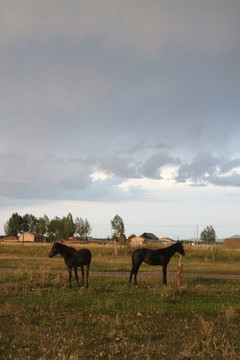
180, 225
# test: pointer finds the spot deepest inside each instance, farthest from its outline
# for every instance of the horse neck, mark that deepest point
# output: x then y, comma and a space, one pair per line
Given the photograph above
64, 251
172, 250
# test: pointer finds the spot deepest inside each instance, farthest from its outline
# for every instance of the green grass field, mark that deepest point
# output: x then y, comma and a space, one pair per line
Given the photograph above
40, 318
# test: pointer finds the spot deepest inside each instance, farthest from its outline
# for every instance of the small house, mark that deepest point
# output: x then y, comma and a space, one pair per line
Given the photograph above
32, 237
9, 238
166, 241
144, 238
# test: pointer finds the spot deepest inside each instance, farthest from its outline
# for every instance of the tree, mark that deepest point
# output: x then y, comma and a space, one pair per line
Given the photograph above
60, 228
118, 227
208, 235
19, 224
14, 225
68, 226
79, 226
55, 229
43, 225
82, 228
30, 223
88, 228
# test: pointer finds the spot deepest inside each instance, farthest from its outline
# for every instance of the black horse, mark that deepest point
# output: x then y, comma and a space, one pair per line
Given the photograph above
73, 259
154, 257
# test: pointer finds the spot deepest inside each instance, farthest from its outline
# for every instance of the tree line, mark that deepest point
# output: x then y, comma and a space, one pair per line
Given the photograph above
57, 228
65, 227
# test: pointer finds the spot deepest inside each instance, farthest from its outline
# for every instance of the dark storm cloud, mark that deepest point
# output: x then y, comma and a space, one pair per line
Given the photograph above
201, 166
233, 180
119, 166
145, 146
152, 166
207, 169
47, 178
126, 88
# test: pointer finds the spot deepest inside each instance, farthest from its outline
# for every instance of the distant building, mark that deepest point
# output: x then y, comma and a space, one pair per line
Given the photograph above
131, 237
122, 239
142, 239
9, 238
167, 241
32, 237
147, 238
73, 239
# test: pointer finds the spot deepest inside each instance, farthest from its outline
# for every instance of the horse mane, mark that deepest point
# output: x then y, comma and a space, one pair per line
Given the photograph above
176, 243
65, 247
170, 246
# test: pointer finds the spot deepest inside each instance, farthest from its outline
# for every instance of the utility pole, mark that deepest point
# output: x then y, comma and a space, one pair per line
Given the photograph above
197, 234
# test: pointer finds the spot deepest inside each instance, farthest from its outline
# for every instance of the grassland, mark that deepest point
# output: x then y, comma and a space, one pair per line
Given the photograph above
40, 318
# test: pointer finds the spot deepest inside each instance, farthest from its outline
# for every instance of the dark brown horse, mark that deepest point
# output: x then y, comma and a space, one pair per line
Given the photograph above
73, 259
154, 257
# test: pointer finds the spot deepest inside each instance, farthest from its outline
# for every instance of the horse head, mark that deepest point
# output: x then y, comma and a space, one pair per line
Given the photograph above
54, 250
180, 248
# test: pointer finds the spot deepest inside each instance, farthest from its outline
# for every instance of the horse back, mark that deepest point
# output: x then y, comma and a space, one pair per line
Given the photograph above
83, 257
150, 257
139, 255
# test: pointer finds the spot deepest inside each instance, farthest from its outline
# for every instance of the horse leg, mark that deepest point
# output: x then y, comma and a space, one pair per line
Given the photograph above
134, 271
87, 274
130, 278
76, 276
164, 268
135, 275
70, 277
82, 270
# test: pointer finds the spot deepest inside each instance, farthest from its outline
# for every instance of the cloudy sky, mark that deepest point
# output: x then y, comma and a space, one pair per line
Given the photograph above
122, 107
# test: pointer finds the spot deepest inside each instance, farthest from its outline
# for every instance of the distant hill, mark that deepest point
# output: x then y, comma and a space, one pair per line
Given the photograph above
229, 237
217, 240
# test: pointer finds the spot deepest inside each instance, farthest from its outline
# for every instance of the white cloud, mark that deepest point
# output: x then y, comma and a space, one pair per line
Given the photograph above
99, 175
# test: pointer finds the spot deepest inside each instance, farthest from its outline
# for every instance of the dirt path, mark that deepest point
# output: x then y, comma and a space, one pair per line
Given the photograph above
126, 273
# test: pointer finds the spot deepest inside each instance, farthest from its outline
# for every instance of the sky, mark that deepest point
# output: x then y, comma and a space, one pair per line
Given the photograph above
122, 107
